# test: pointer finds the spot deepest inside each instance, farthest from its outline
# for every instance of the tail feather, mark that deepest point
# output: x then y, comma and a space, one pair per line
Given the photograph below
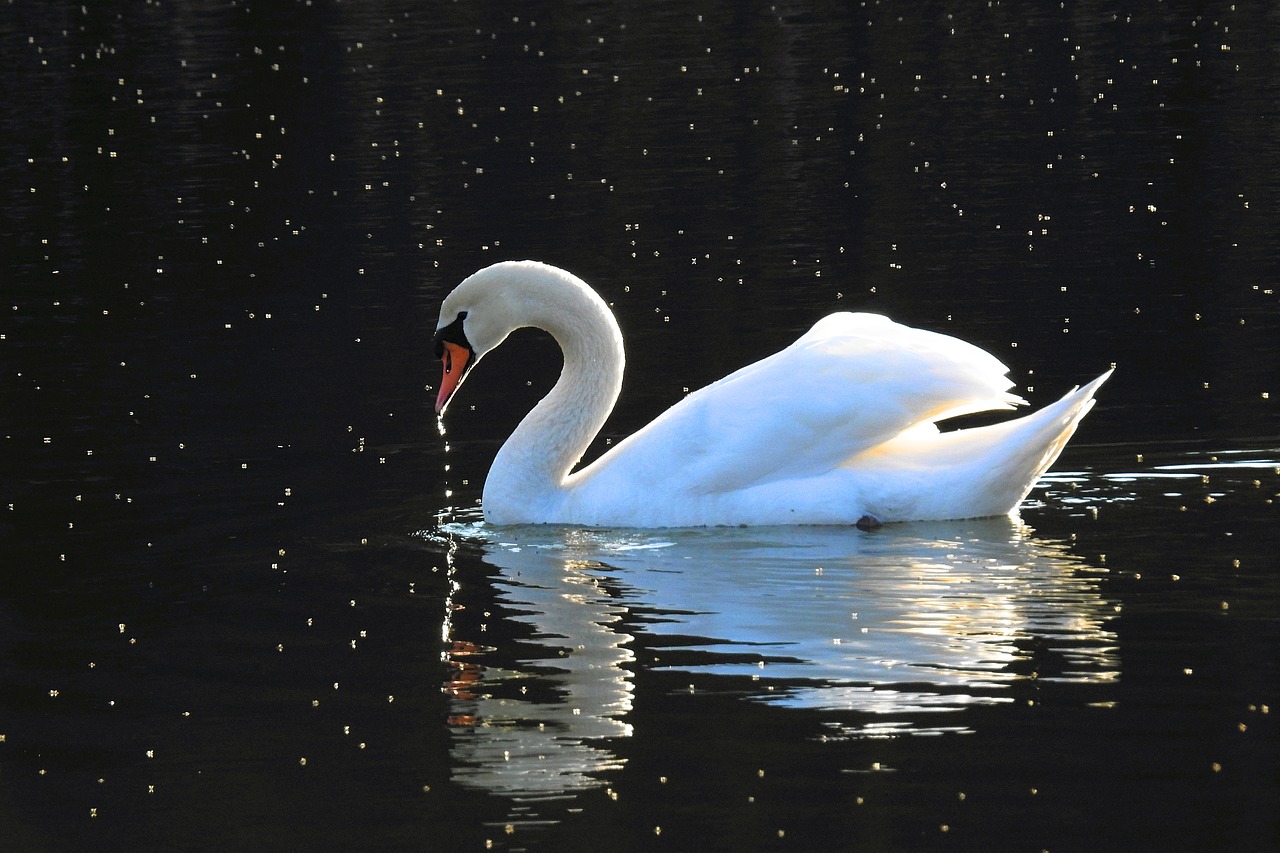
983, 471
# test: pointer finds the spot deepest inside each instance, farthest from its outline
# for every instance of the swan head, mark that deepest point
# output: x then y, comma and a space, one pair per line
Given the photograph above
456, 353
491, 304
484, 309
473, 320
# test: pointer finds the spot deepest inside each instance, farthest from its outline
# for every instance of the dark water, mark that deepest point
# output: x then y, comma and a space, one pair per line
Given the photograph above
245, 605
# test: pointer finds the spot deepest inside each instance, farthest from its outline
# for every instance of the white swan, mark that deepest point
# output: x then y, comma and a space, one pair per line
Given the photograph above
837, 428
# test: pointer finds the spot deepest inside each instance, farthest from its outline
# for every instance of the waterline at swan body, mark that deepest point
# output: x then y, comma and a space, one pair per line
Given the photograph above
837, 428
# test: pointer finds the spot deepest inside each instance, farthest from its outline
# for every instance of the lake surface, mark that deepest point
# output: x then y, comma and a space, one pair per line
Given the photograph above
248, 600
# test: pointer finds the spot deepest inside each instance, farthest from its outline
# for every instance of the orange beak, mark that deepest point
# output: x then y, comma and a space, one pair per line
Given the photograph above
455, 360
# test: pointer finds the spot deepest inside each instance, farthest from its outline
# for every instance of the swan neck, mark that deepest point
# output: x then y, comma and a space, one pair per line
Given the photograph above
536, 460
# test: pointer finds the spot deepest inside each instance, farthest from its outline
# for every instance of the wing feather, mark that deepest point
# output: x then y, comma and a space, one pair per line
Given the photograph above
850, 383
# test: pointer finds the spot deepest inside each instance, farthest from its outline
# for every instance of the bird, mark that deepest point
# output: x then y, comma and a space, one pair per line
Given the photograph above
839, 428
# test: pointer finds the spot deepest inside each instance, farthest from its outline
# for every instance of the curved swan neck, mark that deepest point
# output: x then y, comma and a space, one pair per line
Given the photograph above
534, 462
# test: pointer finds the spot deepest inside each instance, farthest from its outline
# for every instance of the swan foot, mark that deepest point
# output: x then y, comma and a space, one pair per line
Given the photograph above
868, 522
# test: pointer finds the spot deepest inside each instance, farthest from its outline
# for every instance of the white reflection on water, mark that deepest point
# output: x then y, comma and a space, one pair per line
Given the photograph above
912, 620
513, 743
1218, 472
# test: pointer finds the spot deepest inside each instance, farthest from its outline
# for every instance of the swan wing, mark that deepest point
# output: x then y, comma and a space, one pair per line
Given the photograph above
851, 383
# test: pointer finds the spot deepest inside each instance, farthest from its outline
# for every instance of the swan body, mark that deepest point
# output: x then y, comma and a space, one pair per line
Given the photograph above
838, 428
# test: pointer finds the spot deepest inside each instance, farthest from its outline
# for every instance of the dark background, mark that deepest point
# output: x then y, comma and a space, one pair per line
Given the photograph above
225, 232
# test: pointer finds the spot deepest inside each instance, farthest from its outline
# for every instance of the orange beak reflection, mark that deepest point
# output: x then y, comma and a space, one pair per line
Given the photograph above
455, 360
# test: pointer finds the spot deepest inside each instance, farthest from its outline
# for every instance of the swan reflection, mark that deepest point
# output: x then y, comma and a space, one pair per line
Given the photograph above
909, 621
512, 739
